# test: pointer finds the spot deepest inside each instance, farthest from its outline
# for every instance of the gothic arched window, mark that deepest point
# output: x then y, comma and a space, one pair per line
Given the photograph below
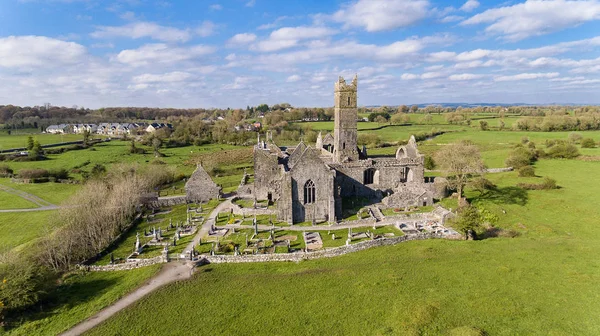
309, 192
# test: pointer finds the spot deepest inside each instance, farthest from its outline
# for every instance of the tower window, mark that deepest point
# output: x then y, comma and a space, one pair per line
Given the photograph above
348, 100
309, 192
343, 145
368, 176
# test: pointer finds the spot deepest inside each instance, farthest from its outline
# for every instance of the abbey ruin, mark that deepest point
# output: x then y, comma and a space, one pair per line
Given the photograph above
308, 182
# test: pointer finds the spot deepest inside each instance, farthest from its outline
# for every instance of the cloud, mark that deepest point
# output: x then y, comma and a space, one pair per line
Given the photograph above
380, 15
293, 78
288, 37
170, 77
408, 76
469, 6
138, 30
241, 39
250, 3
216, 7
38, 51
464, 77
451, 18
525, 76
272, 25
161, 53
535, 17
207, 28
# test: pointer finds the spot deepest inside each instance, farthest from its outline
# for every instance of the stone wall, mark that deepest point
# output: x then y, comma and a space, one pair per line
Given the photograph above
329, 253
200, 187
124, 266
168, 201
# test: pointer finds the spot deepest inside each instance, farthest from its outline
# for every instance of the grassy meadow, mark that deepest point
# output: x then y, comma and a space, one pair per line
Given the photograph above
19, 139
541, 282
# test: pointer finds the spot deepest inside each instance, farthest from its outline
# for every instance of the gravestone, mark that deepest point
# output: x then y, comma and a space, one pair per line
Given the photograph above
137, 242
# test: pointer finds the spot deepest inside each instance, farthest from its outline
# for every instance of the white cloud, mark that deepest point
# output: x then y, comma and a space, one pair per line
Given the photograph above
170, 77
161, 53
293, 78
241, 39
138, 30
216, 7
379, 15
464, 77
207, 28
535, 17
408, 76
469, 6
525, 76
451, 18
38, 51
250, 3
288, 37
273, 24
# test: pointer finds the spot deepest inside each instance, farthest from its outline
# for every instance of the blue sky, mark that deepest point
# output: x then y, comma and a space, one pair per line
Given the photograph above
200, 53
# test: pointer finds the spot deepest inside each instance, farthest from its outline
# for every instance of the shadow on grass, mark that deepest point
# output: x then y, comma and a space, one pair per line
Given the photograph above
64, 297
506, 195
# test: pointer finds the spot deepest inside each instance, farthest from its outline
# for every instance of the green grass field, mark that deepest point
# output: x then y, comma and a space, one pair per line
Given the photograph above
20, 140
54, 193
11, 201
22, 227
79, 297
542, 282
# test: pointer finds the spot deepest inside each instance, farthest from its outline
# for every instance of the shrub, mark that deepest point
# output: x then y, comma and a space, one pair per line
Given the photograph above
483, 125
563, 150
527, 171
588, 143
429, 163
33, 173
5, 171
575, 137
59, 174
546, 185
520, 157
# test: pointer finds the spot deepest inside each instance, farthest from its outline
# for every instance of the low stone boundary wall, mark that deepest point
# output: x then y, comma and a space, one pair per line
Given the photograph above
170, 201
499, 170
124, 266
329, 253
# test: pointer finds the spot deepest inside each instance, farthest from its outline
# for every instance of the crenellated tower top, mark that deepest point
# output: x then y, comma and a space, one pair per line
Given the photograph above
342, 86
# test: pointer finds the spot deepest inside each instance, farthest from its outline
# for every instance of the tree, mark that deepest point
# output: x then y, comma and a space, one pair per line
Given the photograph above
30, 142
414, 108
156, 144
483, 125
501, 124
36, 151
429, 163
380, 119
468, 220
588, 143
262, 108
459, 161
403, 109
400, 118
86, 137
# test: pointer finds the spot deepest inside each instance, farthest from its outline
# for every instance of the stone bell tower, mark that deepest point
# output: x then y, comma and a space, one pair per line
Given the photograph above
346, 112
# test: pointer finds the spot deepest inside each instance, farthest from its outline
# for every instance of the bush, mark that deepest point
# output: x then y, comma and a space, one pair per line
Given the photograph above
429, 163
5, 171
520, 157
575, 137
59, 174
527, 171
588, 143
563, 150
546, 185
33, 173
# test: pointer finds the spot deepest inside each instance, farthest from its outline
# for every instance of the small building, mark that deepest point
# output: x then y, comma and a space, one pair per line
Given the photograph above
153, 127
200, 187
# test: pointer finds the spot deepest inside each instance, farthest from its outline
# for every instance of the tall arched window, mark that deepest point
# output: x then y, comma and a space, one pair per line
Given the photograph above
309, 192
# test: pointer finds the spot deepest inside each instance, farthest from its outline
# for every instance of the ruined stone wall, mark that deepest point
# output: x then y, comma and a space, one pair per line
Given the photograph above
267, 175
310, 167
124, 266
200, 187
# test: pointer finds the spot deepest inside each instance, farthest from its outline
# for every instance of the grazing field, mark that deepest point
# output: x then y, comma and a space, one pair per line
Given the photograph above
22, 227
54, 193
20, 140
541, 282
79, 297
11, 201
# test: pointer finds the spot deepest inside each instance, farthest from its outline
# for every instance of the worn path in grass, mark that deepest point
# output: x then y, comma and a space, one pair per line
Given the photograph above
43, 205
169, 273
208, 223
